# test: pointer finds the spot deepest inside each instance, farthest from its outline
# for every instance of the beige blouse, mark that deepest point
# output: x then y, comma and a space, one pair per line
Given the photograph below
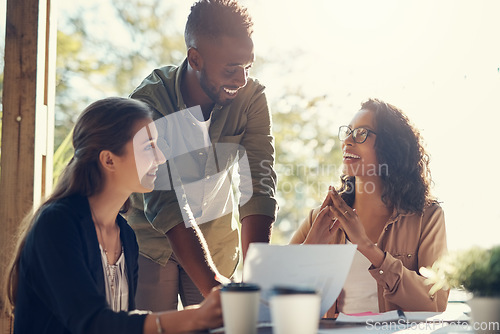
409, 242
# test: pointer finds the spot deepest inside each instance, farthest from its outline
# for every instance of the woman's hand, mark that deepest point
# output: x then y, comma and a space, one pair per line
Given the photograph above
328, 199
209, 312
320, 228
193, 318
348, 219
319, 233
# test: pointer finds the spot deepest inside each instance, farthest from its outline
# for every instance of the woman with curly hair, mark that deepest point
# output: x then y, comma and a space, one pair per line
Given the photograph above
383, 206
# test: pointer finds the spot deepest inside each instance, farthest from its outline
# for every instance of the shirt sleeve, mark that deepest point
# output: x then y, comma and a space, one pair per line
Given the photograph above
259, 145
162, 209
61, 277
407, 288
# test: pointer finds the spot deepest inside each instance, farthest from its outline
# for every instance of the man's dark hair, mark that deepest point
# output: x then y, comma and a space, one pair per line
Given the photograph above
215, 18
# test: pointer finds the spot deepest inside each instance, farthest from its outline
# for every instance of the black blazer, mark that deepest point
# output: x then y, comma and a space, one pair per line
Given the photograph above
61, 281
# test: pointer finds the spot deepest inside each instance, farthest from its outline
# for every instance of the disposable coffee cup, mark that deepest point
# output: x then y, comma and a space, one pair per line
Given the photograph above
294, 310
240, 307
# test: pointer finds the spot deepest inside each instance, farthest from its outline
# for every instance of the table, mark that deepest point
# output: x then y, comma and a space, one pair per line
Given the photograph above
329, 326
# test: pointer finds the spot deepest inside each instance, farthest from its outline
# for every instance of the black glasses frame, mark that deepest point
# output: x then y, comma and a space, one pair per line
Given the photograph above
354, 133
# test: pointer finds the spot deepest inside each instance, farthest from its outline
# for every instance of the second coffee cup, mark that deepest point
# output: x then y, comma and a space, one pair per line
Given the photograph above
295, 310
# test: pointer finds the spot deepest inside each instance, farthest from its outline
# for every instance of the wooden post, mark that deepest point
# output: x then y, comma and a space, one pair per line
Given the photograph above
28, 119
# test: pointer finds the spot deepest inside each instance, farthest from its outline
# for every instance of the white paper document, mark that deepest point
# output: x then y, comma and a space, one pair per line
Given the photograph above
321, 267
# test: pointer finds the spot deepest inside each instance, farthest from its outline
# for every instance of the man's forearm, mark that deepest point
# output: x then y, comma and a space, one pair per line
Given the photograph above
255, 228
189, 247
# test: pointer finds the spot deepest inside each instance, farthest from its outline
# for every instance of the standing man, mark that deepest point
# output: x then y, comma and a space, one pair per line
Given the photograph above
210, 91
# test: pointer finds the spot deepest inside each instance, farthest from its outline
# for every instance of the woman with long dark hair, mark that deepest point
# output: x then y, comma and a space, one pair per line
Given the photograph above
383, 206
75, 266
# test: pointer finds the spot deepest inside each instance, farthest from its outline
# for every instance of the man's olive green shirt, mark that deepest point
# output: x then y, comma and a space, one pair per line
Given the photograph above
246, 122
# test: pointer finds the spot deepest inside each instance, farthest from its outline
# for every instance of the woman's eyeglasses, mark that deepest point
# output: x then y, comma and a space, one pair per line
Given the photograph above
359, 135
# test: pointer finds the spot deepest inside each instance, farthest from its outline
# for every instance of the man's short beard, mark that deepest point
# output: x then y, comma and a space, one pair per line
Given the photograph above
214, 96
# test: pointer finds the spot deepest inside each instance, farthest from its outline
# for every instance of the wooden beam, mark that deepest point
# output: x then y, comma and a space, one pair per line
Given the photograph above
28, 119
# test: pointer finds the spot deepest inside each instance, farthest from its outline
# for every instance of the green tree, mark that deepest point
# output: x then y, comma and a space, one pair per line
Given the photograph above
308, 158
92, 66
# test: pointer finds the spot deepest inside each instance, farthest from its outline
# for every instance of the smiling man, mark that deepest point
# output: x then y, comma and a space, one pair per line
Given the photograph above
224, 106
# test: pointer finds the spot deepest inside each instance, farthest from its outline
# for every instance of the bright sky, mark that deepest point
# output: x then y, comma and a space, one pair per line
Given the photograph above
437, 60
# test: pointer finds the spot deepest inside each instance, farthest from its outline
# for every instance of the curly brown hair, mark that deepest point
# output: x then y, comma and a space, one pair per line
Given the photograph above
215, 18
398, 146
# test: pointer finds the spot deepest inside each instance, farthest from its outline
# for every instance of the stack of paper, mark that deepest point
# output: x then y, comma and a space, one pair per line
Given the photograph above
320, 267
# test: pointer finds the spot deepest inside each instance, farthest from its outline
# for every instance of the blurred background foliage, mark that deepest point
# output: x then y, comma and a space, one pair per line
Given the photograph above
96, 59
